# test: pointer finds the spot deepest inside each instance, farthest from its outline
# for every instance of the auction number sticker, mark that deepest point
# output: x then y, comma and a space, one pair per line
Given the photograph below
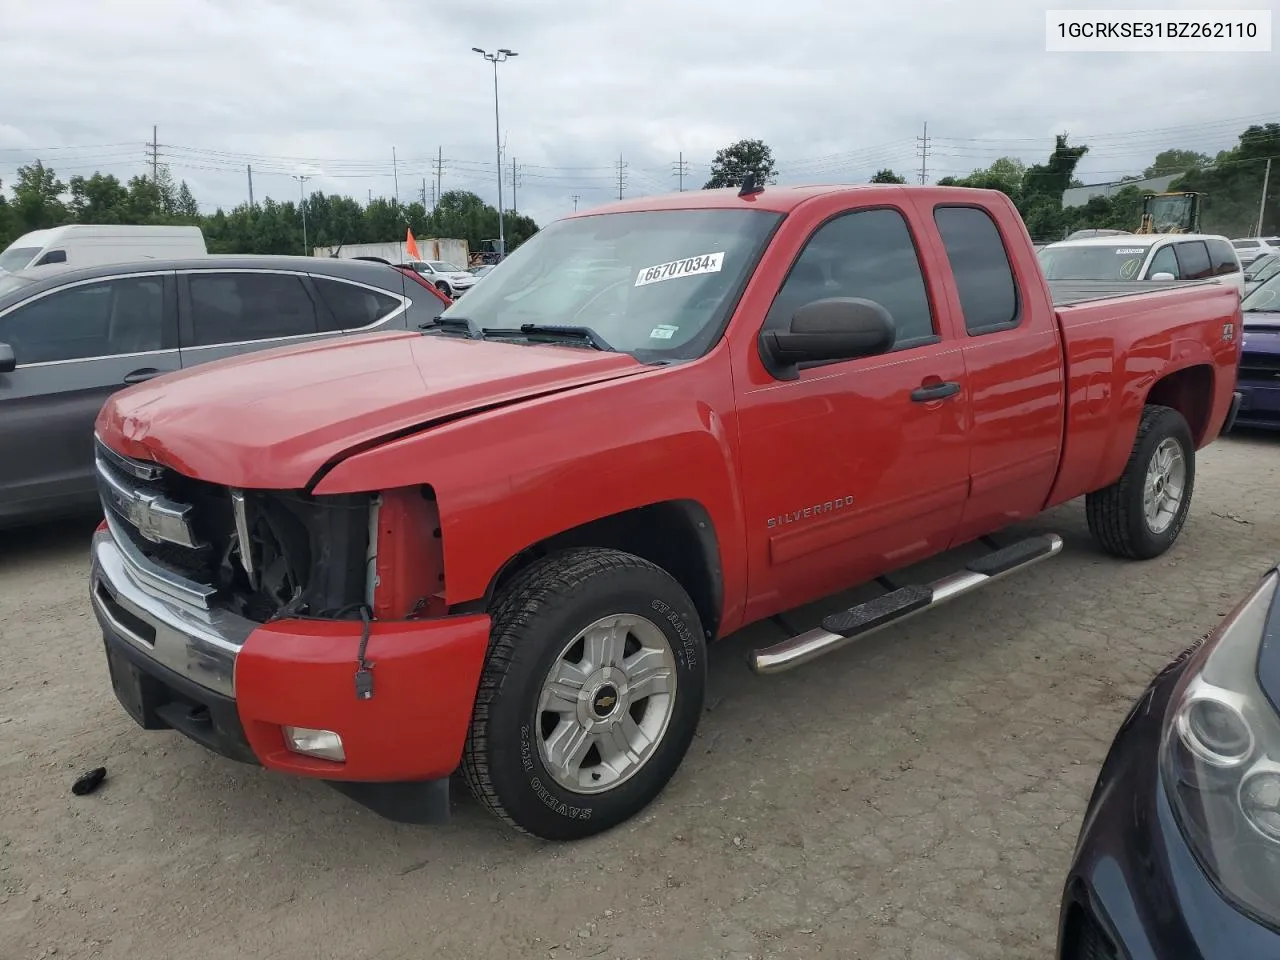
688, 267
1129, 251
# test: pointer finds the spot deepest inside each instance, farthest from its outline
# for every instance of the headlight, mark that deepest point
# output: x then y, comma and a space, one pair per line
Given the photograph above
1220, 759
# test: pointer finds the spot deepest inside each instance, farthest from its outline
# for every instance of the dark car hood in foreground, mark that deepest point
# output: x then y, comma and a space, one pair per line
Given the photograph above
273, 419
1262, 332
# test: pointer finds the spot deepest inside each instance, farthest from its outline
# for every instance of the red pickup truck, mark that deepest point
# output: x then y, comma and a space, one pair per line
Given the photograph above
503, 543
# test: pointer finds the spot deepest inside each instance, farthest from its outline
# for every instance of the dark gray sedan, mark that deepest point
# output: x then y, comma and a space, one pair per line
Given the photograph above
69, 340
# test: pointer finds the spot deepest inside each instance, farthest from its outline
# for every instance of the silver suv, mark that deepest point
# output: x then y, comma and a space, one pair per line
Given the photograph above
69, 340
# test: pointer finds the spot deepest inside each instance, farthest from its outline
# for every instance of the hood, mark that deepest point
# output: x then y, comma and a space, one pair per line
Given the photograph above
1267, 320
273, 419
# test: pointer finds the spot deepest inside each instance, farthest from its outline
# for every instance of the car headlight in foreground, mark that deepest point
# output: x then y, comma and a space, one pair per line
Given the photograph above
1220, 757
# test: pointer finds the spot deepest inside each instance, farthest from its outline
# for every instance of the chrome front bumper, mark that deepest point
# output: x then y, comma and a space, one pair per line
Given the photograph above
163, 617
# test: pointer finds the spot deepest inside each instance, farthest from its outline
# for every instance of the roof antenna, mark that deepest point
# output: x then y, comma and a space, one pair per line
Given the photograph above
749, 186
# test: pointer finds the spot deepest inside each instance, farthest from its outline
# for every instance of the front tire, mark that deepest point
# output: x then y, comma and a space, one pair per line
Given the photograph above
590, 695
445, 289
1140, 515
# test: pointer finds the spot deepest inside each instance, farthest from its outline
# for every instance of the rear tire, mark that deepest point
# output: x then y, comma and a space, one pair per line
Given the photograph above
1140, 515
590, 695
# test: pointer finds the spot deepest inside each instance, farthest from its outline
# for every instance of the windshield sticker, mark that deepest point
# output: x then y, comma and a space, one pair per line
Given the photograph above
1129, 269
688, 267
1129, 251
663, 331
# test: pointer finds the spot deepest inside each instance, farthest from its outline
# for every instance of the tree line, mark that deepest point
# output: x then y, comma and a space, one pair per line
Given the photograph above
1231, 183
38, 199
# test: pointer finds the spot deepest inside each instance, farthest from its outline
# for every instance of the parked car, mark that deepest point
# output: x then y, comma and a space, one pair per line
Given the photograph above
69, 340
451, 280
1179, 853
1261, 270
1259, 375
503, 543
89, 245
483, 270
1251, 248
1151, 256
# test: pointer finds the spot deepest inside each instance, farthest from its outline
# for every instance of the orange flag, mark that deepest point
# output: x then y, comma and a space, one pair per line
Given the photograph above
411, 245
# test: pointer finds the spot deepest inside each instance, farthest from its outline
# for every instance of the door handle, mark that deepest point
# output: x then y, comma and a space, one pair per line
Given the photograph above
935, 391
141, 374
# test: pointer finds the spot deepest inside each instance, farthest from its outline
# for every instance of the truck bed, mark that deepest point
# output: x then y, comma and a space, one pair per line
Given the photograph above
1068, 292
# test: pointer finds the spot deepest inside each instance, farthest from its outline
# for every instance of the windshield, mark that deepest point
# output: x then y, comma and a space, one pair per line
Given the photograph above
656, 284
1093, 262
1264, 268
1244, 244
1265, 297
439, 266
15, 258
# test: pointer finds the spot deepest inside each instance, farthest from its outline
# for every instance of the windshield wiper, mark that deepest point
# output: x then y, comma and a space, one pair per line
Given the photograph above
454, 323
572, 332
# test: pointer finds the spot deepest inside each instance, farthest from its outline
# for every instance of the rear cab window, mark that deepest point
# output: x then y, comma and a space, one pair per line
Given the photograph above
1087, 261
980, 265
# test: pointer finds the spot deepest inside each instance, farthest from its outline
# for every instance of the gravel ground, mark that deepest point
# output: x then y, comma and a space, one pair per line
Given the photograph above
915, 796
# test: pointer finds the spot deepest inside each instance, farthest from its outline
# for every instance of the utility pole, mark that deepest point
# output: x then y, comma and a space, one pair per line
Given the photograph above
514, 178
424, 193
922, 147
155, 155
576, 198
439, 173
682, 168
501, 56
302, 178
395, 175
1262, 204
622, 179
249, 168
370, 197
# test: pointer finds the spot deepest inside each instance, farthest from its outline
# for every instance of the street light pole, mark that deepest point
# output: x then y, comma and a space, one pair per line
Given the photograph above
302, 178
496, 58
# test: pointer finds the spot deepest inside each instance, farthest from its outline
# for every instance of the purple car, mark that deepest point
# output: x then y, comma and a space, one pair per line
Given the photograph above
1259, 377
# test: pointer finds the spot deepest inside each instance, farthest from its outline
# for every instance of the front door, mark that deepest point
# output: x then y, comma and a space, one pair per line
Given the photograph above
75, 346
861, 466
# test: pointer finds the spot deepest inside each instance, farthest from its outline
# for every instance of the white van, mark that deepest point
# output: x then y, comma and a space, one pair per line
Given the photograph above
91, 245
1144, 256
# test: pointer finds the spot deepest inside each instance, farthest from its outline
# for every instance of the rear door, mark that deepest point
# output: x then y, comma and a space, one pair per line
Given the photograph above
1013, 365
223, 313
75, 346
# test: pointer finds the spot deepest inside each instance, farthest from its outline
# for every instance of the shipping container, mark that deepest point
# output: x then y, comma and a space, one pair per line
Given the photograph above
444, 249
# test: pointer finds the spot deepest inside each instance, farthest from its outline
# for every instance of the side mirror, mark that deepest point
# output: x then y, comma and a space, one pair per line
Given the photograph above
1163, 275
836, 328
8, 362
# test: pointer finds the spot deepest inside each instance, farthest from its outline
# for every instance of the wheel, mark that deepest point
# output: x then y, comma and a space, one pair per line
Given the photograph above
590, 695
1141, 514
444, 288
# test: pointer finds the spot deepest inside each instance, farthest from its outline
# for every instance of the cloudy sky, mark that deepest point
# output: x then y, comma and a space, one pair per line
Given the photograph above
838, 90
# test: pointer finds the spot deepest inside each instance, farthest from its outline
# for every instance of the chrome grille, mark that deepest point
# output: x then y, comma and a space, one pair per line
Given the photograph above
171, 523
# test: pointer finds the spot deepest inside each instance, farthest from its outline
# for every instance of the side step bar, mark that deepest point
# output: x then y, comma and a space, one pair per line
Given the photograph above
844, 627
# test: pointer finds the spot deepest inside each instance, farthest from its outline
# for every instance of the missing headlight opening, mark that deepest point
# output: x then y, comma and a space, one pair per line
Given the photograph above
291, 554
